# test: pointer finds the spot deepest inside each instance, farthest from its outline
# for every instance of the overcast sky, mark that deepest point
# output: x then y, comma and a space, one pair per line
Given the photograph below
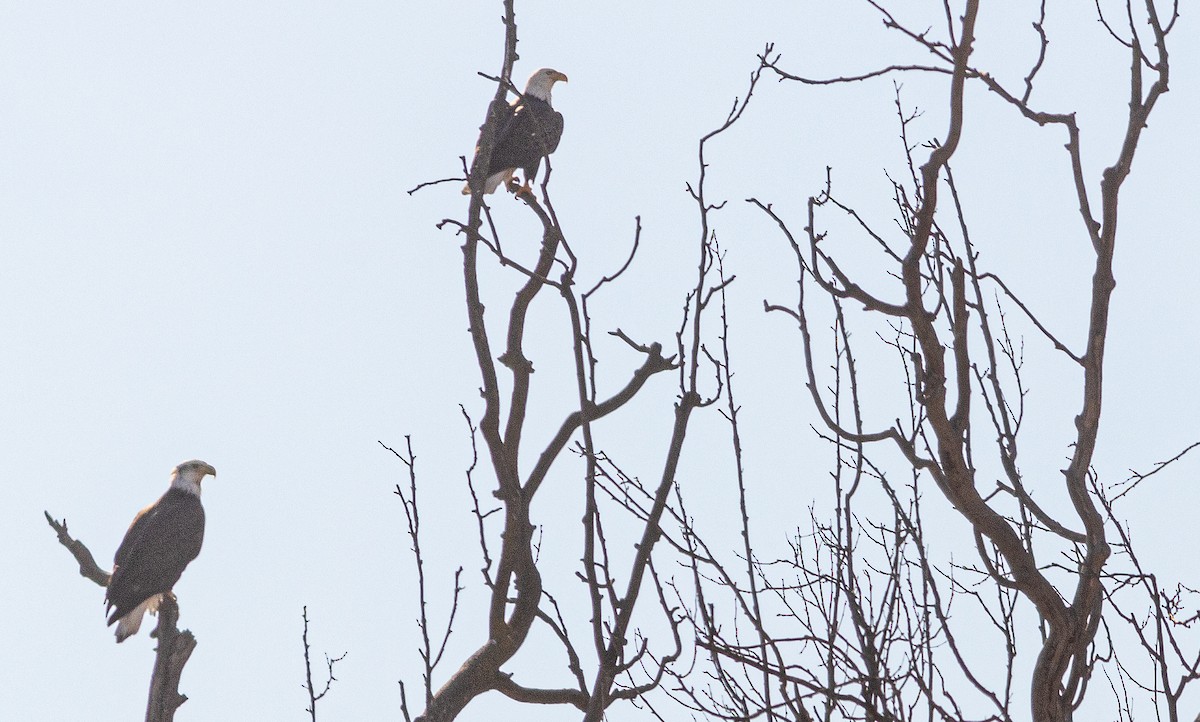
207, 251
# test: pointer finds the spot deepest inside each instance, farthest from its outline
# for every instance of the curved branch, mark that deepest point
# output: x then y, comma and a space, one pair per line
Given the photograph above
654, 363
87, 563
530, 695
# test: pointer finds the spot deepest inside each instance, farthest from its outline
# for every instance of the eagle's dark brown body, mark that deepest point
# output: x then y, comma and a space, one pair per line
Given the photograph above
531, 132
162, 540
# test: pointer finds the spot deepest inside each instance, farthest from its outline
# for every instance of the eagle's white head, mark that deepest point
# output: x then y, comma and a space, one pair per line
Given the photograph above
188, 475
542, 80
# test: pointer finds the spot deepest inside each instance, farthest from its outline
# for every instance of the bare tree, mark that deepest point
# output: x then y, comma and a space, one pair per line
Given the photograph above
872, 635
610, 667
864, 616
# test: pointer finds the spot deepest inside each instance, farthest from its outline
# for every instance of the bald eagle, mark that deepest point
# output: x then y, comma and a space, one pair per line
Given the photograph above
529, 131
163, 538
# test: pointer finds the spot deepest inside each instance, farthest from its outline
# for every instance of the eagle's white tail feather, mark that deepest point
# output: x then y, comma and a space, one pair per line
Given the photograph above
129, 625
493, 182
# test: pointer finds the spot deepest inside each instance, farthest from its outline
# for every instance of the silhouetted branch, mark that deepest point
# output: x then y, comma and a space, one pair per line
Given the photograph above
87, 563
1137, 477
313, 695
426, 184
412, 515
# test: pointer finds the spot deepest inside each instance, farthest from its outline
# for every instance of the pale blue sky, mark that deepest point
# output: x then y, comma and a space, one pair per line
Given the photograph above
206, 250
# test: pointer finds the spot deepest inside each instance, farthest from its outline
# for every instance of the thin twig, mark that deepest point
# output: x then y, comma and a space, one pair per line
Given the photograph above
313, 695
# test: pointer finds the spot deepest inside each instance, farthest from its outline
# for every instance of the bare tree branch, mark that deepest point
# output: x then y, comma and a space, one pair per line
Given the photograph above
313, 695
87, 563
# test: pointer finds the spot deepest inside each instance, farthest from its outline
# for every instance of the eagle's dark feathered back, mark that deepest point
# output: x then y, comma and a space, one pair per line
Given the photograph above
530, 133
163, 539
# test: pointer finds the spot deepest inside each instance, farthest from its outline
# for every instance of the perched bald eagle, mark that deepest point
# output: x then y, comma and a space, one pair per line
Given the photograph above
163, 538
529, 131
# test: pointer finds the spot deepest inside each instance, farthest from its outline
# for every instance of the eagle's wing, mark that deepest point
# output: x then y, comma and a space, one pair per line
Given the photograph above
532, 134
162, 540
553, 130
511, 139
